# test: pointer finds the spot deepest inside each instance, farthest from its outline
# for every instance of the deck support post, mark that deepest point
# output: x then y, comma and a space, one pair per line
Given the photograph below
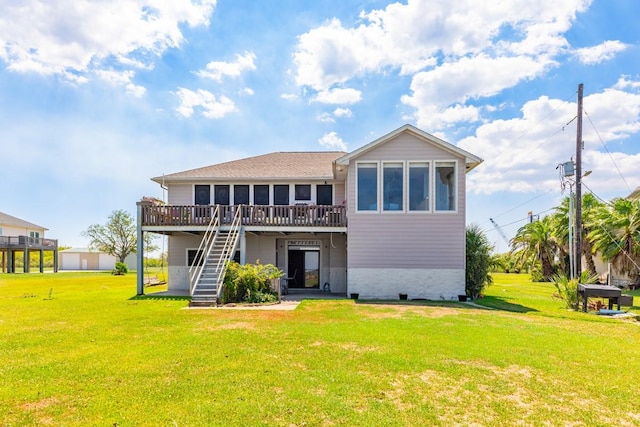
243, 246
140, 250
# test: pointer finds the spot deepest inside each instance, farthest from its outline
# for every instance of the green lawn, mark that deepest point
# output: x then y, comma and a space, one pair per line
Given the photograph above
79, 349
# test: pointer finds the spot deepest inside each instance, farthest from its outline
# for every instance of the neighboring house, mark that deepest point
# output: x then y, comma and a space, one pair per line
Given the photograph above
20, 236
383, 220
607, 273
87, 259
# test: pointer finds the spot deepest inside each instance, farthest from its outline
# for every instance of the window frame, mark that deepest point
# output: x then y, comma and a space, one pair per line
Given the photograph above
455, 186
382, 195
429, 165
298, 189
377, 186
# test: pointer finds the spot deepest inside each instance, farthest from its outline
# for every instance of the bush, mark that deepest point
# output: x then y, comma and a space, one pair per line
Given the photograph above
478, 259
249, 283
121, 268
567, 289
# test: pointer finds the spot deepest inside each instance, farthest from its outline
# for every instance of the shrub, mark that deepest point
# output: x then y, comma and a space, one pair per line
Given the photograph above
567, 289
249, 283
121, 268
478, 261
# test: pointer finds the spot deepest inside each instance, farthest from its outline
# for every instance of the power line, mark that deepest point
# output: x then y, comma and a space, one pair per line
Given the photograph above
535, 125
607, 150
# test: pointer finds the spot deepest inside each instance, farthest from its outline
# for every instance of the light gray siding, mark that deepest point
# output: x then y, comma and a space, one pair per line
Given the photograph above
180, 194
424, 240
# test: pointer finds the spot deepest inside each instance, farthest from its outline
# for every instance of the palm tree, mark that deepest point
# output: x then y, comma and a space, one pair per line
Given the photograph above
560, 229
535, 243
615, 233
590, 206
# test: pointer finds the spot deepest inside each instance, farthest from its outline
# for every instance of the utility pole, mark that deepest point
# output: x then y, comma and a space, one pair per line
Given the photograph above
578, 224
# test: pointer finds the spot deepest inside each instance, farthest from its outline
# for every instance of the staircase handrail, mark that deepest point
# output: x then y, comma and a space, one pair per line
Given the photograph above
195, 271
227, 251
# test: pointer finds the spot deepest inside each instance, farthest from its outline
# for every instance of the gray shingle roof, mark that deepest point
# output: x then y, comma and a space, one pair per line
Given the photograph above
280, 165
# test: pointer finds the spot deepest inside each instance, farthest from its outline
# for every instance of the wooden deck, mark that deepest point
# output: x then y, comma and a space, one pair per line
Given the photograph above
251, 215
11, 245
32, 243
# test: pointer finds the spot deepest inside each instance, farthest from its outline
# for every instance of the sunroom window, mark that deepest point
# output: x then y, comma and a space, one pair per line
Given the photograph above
392, 186
419, 186
367, 186
445, 186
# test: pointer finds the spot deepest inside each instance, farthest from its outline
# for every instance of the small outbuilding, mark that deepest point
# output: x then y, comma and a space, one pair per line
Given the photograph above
87, 259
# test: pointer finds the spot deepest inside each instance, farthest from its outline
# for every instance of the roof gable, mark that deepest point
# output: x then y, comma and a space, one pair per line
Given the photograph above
471, 160
272, 166
8, 220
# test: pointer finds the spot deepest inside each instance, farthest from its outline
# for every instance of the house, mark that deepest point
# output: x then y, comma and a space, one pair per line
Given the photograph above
20, 236
383, 220
87, 259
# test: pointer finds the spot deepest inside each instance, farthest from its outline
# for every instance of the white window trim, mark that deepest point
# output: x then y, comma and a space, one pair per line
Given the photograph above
429, 210
403, 207
456, 184
378, 191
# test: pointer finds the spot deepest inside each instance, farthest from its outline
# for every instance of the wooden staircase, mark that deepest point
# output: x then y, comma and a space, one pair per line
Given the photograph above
218, 247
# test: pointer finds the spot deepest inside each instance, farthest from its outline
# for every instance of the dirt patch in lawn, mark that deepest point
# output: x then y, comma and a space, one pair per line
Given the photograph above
397, 311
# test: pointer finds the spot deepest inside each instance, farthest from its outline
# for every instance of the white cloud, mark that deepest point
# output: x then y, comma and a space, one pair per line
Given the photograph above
342, 112
339, 96
439, 95
247, 91
216, 70
625, 82
455, 51
326, 118
122, 78
333, 141
521, 153
603, 52
289, 96
211, 107
73, 39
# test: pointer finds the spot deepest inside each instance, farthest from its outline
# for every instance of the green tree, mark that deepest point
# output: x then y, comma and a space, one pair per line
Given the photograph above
118, 237
534, 243
560, 230
478, 261
615, 234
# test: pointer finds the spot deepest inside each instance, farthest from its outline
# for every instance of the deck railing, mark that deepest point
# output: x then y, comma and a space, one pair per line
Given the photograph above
251, 215
30, 242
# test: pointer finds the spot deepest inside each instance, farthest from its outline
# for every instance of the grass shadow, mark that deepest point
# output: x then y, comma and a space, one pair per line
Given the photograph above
158, 297
497, 303
420, 303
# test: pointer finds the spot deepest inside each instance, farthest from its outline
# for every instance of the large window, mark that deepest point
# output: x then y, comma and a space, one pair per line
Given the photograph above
303, 192
221, 194
418, 186
240, 194
260, 194
392, 186
367, 187
281, 194
202, 195
324, 194
445, 186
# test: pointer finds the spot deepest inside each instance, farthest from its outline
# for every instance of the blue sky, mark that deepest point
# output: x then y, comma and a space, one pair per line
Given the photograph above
98, 97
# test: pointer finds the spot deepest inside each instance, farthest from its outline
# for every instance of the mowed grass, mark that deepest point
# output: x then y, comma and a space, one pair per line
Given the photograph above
79, 349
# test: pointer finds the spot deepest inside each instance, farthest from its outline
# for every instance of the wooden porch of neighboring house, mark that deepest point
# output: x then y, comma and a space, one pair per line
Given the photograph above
11, 245
223, 228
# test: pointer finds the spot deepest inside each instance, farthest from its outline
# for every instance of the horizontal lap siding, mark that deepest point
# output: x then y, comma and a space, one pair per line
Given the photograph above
429, 241
180, 194
407, 240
